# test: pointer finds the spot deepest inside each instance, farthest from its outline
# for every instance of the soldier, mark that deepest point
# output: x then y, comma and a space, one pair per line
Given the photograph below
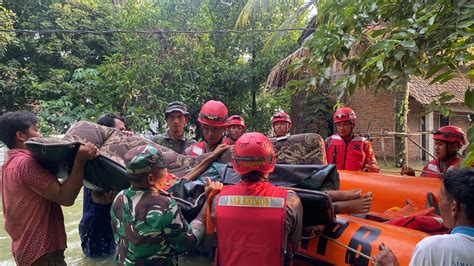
257, 222
213, 121
346, 150
235, 129
281, 123
448, 141
148, 227
176, 116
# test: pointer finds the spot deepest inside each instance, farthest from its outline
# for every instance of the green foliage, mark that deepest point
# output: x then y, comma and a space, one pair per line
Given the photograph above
381, 43
69, 77
7, 19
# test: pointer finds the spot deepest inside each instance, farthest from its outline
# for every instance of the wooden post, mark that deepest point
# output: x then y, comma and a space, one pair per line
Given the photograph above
382, 142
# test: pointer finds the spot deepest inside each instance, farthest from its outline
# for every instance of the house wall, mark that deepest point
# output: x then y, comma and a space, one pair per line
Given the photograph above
379, 110
415, 113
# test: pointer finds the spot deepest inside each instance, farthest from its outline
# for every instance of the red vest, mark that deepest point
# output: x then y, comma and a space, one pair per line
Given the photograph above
345, 157
250, 220
431, 169
228, 141
197, 149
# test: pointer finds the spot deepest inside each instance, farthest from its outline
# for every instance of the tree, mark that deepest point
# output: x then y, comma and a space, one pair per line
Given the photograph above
396, 39
70, 77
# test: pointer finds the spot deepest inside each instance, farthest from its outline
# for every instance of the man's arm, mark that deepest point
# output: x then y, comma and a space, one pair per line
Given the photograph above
65, 194
206, 162
370, 164
294, 219
189, 236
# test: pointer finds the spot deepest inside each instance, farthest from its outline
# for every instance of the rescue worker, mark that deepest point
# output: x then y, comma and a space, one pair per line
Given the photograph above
176, 116
149, 228
448, 140
257, 222
213, 121
235, 129
281, 124
347, 151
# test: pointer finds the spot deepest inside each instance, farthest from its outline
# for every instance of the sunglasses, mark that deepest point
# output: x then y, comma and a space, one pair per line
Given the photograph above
344, 115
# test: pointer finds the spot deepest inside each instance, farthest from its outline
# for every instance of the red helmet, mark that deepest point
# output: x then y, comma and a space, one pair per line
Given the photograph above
213, 113
281, 116
235, 120
344, 114
450, 134
253, 152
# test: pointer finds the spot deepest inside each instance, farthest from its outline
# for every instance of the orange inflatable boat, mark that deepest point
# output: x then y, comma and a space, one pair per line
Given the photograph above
333, 244
390, 190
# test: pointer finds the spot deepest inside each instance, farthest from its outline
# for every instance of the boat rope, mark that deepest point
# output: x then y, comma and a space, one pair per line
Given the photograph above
317, 232
187, 202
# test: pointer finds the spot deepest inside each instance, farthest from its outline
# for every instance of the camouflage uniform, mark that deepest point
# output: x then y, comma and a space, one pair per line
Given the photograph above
180, 144
177, 145
148, 227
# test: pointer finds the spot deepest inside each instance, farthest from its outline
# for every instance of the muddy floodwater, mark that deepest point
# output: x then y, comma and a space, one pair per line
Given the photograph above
73, 254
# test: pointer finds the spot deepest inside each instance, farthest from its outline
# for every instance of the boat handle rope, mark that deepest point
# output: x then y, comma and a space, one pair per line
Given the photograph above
317, 232
189, 203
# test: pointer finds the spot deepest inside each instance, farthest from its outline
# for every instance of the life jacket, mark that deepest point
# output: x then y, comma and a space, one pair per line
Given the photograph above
197, 149
228, 141
346, 157
431, 169
250, 220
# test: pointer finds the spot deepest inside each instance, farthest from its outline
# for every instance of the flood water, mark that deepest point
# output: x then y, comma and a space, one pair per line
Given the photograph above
73, 254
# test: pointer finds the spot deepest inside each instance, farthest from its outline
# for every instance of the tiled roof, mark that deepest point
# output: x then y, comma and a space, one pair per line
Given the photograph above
425, 94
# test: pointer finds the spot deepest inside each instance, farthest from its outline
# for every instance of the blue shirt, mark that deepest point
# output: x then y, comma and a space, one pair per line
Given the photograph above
95, 228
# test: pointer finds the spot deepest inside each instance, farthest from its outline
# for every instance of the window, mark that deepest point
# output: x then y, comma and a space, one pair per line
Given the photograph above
443, 120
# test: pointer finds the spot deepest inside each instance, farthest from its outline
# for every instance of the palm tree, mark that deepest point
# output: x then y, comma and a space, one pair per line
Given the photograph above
296, 10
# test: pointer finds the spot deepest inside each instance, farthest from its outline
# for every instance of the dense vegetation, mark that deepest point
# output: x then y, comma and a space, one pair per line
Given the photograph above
67, 77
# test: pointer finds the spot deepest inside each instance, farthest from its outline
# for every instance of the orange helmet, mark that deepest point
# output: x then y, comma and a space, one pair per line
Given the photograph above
281, 116
253, 152
236, 120
450, 134
213, 113
344, 114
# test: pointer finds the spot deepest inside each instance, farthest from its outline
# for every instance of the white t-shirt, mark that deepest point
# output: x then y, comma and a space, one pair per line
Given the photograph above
441, 250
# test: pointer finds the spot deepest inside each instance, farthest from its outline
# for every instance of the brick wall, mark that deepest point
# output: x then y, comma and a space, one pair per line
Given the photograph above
379, 110
415, 113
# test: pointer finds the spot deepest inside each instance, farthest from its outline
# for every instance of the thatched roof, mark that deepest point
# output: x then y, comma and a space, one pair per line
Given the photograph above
279, 75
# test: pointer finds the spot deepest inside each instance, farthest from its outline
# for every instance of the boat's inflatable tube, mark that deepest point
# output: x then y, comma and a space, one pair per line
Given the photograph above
364, 236
391, 190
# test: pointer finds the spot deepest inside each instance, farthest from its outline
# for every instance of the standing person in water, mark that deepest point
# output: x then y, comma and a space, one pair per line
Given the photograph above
97, 239
32, 196
346, 150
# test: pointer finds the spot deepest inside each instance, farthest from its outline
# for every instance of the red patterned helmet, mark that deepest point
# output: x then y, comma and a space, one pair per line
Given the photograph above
450, 134
213, 113
253, 152
281, 116
344, 114
235, 120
